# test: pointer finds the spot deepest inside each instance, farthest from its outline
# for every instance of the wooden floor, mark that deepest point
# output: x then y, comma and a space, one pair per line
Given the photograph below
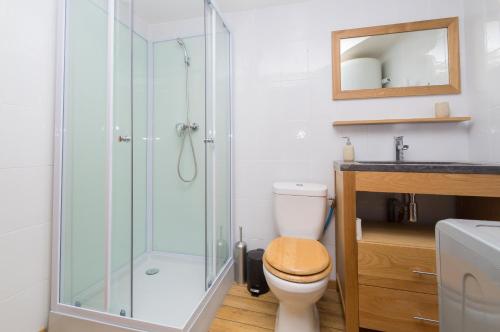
241, 312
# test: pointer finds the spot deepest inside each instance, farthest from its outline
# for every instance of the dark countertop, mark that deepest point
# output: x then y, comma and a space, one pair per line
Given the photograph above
418, 167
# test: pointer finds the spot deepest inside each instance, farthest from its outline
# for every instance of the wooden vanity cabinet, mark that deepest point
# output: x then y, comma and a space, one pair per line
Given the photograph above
387, 280
397, 280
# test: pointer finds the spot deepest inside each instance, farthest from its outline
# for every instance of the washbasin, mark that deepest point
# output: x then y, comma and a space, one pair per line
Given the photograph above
415, 163
419, 167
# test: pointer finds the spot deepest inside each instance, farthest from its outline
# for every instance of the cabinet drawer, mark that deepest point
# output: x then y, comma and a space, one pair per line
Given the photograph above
397, 267
389, 310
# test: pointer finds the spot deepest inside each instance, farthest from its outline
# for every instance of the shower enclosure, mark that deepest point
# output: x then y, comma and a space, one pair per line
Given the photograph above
142, 198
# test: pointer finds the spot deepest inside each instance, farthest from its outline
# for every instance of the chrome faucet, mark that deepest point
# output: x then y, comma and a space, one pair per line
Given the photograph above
400, 148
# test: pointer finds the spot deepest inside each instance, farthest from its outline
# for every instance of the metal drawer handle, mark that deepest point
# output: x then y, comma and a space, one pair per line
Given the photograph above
427, 320
425, 273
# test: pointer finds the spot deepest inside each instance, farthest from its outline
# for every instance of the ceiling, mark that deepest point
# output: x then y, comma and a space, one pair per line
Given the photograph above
239, 5
158, 11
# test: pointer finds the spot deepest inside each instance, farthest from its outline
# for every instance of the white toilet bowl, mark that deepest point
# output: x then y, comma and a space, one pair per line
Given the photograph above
297, 310
297, 272
296, 266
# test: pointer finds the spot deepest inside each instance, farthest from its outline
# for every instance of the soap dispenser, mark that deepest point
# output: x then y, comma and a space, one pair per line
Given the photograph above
348, 150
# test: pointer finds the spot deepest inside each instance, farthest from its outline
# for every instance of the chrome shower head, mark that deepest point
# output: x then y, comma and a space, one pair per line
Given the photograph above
187, 59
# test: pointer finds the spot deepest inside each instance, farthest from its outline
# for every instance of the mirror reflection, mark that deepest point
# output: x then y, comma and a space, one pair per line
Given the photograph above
407, 59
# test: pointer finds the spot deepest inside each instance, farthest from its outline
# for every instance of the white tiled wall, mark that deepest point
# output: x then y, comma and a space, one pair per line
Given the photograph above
283, 109
27, 34
482, 24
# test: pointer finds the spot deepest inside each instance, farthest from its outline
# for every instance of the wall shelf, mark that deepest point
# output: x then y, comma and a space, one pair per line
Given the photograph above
400, 121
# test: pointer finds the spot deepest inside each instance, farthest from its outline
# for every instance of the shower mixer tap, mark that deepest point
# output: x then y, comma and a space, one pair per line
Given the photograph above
181, 127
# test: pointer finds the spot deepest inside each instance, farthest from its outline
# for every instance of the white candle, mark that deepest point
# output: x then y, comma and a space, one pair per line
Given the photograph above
442, 109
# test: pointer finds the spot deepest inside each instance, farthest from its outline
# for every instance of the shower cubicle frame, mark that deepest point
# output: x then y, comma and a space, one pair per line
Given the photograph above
63, 316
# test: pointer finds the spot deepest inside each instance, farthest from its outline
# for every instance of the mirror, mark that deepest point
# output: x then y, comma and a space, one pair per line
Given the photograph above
418, 58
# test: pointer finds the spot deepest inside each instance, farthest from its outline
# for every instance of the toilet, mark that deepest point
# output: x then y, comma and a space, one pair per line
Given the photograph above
296, 265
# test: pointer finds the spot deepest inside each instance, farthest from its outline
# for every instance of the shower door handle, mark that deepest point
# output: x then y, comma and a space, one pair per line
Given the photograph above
124, 139
209, 140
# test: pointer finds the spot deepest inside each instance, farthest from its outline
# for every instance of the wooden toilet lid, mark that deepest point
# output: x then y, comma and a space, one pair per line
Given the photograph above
298, 279
297, 257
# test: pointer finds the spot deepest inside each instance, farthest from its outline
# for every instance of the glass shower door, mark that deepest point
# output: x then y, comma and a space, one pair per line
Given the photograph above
83, 205
129, 172
96, 227
218, 146
121, 171
222, 125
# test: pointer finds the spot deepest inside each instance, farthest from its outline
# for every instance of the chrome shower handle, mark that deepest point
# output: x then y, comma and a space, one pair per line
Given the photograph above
124, 139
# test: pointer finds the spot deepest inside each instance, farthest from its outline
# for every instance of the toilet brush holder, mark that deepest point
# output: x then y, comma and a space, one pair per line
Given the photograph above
240, 260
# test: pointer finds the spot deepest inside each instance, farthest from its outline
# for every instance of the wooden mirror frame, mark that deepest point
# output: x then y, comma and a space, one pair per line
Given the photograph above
453, 87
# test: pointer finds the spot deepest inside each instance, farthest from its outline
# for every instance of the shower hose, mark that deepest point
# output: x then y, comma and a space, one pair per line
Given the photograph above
187, 134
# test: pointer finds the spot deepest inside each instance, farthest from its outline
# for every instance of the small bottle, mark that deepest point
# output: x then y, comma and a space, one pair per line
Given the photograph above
348, 150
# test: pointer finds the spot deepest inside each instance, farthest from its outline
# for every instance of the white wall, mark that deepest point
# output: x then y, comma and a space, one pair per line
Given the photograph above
482, 24
178, 207
283, 109
175, 29
27, 56
283, 113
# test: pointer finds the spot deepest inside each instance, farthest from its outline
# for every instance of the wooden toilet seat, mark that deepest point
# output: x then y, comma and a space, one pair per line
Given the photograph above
297, 260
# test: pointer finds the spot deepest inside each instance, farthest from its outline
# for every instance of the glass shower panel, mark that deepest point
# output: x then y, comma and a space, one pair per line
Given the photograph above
96, 237
178, 205
168, 278
145, 208
141, 141
218, 151
223, 143
120, 273
83, 229
210, 228
130, 105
